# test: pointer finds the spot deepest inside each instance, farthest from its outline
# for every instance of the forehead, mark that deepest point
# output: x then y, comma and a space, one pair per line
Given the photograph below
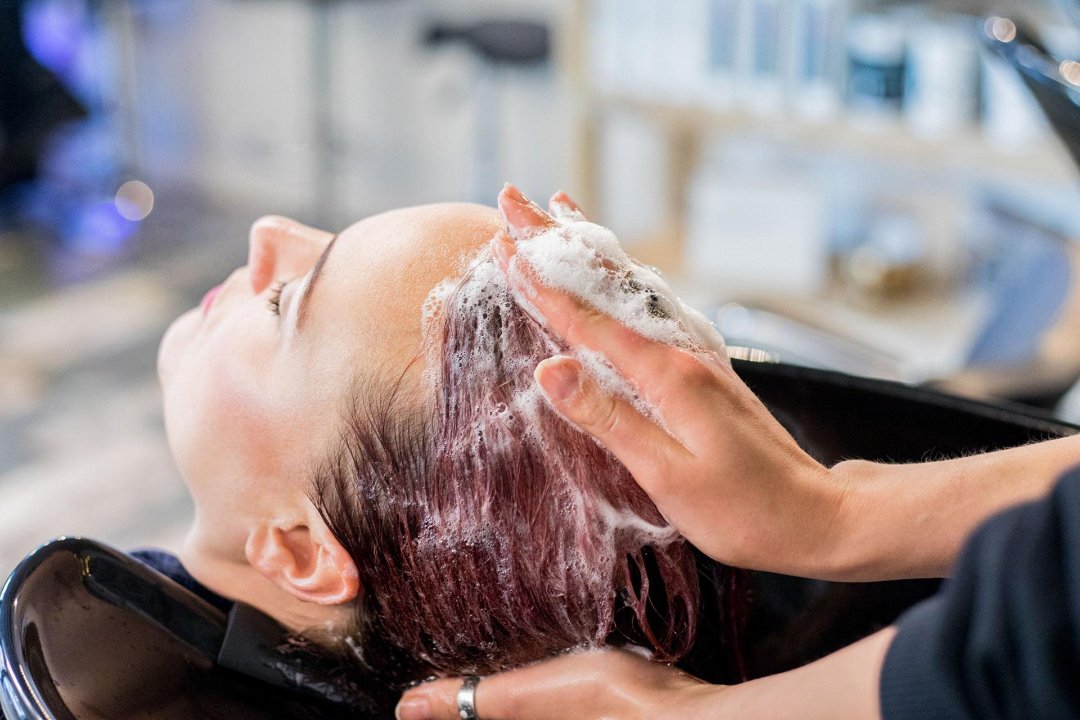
433, 233
383, 268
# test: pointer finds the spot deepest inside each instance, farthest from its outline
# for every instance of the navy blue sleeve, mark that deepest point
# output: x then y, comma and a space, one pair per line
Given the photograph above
1002, 639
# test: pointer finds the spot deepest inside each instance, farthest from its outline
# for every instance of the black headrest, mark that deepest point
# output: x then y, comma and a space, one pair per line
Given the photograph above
87, 632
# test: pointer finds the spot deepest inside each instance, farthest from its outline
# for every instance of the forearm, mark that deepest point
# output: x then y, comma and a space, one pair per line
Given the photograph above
904, 521
841, 686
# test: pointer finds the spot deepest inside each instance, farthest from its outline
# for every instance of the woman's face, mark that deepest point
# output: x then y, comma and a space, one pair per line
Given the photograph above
254, 381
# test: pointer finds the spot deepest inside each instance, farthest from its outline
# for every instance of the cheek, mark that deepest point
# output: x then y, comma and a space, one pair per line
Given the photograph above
177, 339
221, 419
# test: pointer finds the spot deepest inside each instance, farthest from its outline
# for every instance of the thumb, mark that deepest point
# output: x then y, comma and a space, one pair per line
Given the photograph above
609, 417
434, 700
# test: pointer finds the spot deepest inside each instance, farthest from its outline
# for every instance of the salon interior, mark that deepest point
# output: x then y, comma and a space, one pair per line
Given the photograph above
885, 189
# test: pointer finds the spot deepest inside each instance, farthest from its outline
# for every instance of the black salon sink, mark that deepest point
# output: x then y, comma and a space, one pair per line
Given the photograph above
836, 417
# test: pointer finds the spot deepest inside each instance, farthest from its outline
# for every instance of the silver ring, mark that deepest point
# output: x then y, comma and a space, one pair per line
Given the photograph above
466, 698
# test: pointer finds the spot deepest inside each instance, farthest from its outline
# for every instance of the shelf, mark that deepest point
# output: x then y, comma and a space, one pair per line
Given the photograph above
968, 155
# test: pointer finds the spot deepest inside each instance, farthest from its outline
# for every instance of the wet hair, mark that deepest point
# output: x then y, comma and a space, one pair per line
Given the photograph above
489, 532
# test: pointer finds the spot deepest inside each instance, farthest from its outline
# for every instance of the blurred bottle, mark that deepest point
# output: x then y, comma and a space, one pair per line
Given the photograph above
604, 45
756, 222
722, 56
941, 89
683, 51
764, 35
877, 62
891, 259
817, 58
644, 47
634, 168
1011, 118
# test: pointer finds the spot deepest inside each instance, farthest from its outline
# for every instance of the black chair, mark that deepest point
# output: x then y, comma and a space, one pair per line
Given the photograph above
89, 633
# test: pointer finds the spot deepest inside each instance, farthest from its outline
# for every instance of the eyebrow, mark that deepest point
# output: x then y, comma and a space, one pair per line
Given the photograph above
305, 299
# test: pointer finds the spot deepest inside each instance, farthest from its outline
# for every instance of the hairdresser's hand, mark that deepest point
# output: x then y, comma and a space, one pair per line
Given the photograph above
724, 472
616, 685
584, 686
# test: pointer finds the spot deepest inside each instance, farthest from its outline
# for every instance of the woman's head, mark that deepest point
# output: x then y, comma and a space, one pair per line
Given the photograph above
407, 484
252, 398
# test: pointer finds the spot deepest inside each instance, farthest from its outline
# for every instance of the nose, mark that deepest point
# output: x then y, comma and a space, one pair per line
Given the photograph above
281, 248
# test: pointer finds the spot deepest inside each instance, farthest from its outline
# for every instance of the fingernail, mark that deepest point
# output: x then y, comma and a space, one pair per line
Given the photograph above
502, 247
512, 192
559, 379
413, 709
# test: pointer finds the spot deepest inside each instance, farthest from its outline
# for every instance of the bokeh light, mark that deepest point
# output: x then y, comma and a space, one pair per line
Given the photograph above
1070, 70
134, 200
1002, 29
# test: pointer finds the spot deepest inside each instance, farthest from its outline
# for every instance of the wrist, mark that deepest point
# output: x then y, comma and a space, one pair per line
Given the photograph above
845, 554
806, 534
700, 701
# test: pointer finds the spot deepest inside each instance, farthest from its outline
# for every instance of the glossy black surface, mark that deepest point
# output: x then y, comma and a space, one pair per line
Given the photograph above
836, 417
89, 633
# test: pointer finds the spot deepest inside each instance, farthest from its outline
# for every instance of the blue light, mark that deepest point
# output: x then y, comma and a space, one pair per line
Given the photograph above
100, 229
54, 32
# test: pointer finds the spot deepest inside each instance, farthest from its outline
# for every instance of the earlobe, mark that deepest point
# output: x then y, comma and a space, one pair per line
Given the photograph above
307, 563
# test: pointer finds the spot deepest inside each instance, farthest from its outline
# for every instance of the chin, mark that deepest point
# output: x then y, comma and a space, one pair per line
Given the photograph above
174, 342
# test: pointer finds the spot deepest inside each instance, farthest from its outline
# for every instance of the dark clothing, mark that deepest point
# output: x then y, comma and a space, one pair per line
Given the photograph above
1002, 639
169, 566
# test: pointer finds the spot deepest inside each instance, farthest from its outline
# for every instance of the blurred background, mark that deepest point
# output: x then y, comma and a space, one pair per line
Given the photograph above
888, 189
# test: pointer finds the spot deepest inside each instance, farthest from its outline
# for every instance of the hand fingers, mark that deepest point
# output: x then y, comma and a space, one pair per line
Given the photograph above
670, 379
498, 697
663, 375
623, 429
646, 363
432, 701
522, 215
646, 449
563, 207
585, 685
503, 249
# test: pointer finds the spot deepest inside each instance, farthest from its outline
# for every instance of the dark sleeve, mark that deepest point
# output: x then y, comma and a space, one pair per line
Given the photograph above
1002, 639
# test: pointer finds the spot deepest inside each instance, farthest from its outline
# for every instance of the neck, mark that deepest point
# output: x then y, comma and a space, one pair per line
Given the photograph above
240, 582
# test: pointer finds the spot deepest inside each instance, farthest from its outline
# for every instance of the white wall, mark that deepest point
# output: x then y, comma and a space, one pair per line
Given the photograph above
241, 116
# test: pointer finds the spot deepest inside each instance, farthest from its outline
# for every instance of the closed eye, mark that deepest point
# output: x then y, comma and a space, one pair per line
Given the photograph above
274, 301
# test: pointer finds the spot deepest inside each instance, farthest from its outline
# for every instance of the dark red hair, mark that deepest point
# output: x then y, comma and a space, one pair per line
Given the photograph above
488, 531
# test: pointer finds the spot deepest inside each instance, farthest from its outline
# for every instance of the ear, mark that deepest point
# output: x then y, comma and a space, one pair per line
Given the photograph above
305, 561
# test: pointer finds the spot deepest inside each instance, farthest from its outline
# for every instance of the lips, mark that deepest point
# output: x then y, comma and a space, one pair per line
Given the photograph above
208, 299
